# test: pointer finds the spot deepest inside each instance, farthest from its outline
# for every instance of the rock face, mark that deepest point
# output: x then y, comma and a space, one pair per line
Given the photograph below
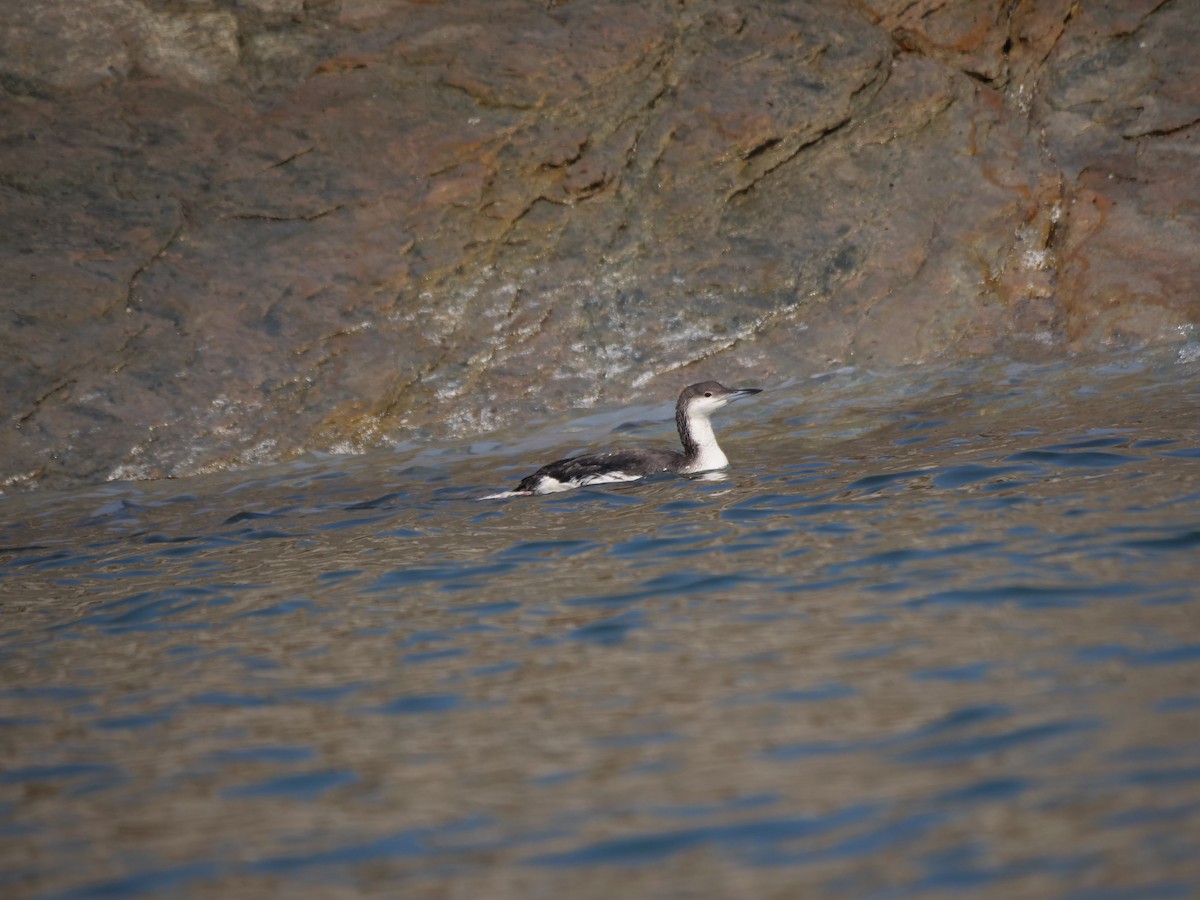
235, 232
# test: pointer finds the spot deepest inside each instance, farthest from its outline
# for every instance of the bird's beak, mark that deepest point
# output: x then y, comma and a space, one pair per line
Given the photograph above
739, 393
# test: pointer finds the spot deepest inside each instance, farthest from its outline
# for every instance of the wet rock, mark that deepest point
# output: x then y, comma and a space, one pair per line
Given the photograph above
238, 232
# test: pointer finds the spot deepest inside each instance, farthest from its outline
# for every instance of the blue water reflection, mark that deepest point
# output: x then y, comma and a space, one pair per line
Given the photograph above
933, 636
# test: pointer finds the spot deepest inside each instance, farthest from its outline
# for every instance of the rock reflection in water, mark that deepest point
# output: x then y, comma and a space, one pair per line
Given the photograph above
934, 634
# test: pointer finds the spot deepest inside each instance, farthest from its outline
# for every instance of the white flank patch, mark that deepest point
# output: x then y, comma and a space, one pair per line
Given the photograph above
550, 485
553, 486
606, 478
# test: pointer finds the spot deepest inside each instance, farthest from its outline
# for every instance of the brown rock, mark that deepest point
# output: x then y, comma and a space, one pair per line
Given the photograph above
55, 43
1122, 117
199, 47
237, 235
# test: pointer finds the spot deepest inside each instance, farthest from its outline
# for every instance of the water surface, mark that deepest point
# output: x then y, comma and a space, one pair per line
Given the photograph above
934, 634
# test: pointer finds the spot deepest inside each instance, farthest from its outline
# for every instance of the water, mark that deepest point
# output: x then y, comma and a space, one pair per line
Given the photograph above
936, 634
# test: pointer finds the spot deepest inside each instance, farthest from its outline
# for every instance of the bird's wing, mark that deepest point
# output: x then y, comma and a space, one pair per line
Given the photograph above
615, 465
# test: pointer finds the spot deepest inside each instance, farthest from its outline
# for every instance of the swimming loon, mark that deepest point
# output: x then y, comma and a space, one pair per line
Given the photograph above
700, 450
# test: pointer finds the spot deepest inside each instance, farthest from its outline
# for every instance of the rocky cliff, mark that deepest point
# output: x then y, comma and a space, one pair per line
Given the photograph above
237, 231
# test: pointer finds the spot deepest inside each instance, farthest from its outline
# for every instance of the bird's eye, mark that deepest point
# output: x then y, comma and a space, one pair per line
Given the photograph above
708, 393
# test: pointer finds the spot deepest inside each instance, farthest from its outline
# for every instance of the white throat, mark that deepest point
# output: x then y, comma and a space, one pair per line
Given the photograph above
709, 456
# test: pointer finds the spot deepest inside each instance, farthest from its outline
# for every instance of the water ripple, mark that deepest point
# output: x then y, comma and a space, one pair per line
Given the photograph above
906, 625
759, 834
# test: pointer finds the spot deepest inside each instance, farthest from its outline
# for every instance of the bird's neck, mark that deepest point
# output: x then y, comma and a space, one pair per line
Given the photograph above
699, 443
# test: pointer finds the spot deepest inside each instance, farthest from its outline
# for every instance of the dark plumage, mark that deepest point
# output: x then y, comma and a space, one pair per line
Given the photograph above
582, 469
